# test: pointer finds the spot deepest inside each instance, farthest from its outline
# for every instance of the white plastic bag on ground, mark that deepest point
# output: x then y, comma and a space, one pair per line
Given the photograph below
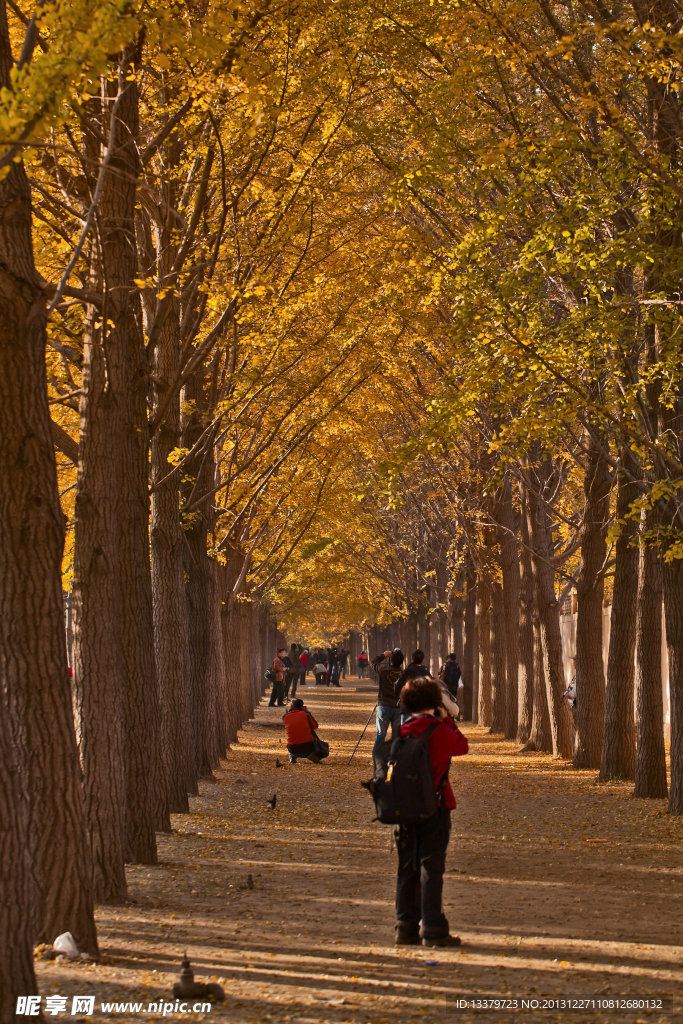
65, 944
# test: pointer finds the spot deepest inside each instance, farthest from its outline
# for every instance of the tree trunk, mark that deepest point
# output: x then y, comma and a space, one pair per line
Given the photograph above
456, 608
34, 675
673, 607
541, 735
171, 644
198, 479
17, 977
619, 741
650, 762
498, 659
171, 636
97, 658
525, 701
484, 711
471, 659
548, 608
590, 588
509, 560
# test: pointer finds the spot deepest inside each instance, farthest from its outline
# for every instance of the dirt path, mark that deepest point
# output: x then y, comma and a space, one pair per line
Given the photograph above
545, 907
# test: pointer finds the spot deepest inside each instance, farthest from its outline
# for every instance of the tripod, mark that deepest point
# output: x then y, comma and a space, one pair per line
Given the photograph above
362, 734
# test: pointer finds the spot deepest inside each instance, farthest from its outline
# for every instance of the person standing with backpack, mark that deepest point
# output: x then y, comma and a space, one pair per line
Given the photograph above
412, 791
388, 705
362, 662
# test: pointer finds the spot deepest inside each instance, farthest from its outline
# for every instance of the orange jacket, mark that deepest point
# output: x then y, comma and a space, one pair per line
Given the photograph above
298, 725
279, 669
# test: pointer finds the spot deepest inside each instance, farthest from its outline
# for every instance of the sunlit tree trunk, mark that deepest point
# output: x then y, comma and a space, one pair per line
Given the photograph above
526, 635
548, 609
471, 658
48, 827
171, 643
650, 759
541, 736
498, 658
484, 709
619, 740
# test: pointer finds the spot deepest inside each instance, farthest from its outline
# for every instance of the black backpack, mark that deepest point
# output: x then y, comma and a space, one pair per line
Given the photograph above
403, 786
451, 676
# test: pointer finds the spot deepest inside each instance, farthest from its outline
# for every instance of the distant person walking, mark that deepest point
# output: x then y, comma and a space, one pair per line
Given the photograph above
302, 741
362, 662
278, 670
293, 671
286, 661
303, 667
343, 660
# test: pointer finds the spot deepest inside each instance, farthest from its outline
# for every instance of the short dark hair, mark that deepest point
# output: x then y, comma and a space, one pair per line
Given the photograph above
420, 694
297, 703
418, 656
281, 649
452, 657
396, 658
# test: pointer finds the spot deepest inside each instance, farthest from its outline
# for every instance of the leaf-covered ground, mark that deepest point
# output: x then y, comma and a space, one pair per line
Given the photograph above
558, 885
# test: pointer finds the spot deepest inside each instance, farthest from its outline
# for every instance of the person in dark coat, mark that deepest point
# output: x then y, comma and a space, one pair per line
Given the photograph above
416, 668
388, 704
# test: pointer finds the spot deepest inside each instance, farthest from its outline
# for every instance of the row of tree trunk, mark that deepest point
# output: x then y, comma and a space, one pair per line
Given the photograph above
500, 614
168, 659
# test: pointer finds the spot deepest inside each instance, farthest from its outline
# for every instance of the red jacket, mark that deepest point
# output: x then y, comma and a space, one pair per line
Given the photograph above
445, 742
297, 727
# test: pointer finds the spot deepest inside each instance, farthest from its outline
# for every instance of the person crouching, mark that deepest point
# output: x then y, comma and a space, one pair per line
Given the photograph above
299, 726
422, 846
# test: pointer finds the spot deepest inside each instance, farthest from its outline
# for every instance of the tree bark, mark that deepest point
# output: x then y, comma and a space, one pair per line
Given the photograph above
498, 659
484, 710
34, 674
673, 607
471, 656
171, 643
17, 977
650, 761
509, 561
548, 608
590, 588
97, 658
525, 701
619, 740
541, 735
198, 479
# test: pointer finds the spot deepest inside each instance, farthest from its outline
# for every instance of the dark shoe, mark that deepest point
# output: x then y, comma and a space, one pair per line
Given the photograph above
406, 938
314, 758
444, 940
292, 760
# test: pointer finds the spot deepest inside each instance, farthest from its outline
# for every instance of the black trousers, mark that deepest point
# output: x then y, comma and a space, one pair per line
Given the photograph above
277, 693
419, 885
